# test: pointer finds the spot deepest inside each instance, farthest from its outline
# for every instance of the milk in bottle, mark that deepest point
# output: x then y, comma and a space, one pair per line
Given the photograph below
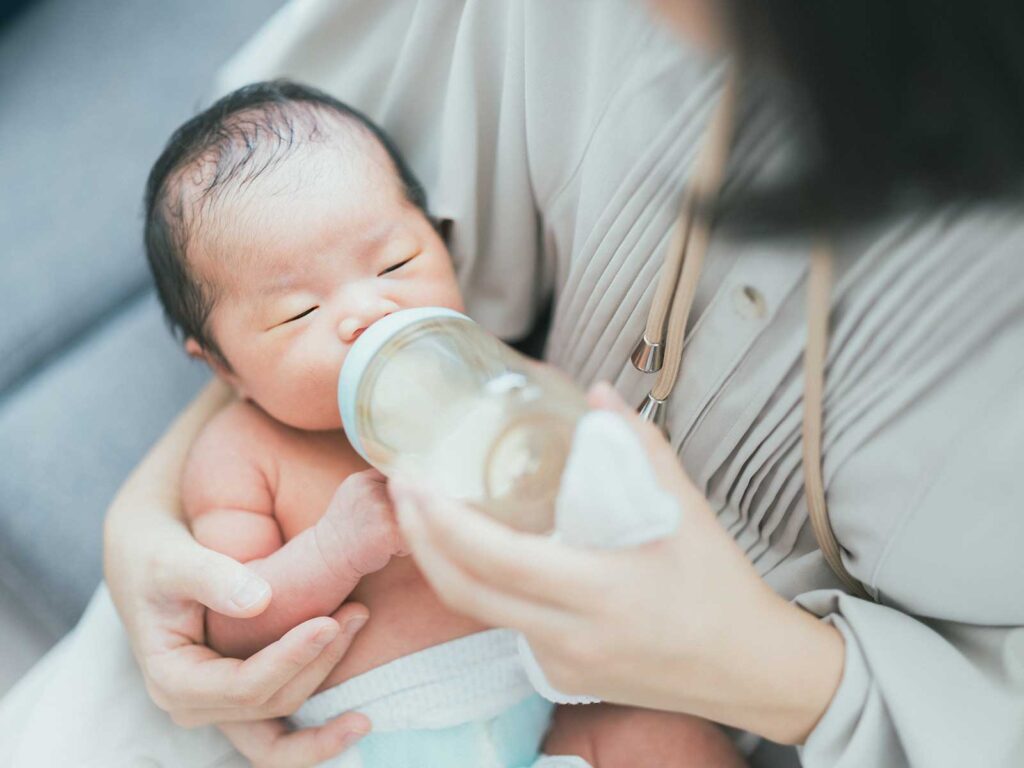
429, 393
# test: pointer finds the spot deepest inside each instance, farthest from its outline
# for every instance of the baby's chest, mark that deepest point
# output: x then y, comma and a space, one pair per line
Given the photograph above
308, 476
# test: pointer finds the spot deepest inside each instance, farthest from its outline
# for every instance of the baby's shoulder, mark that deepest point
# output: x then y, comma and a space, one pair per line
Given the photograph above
239, 422
233, 458
241, 429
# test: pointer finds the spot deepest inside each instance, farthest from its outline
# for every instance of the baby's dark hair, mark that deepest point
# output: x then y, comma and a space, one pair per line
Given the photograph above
230, 144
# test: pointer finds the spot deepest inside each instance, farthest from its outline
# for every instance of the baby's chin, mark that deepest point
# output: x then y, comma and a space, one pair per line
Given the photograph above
307, 419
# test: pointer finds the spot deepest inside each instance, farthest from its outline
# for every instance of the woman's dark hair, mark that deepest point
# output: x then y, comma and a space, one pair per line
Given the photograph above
235, 140
904, 102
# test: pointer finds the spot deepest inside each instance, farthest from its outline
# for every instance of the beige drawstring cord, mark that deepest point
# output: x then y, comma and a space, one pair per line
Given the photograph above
819, 291
660, 348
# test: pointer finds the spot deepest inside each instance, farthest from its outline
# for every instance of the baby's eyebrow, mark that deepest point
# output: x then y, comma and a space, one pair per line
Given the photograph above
278, 286
377, 237
365, 247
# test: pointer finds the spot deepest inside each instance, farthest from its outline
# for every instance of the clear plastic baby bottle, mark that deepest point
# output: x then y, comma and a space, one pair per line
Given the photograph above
429, 393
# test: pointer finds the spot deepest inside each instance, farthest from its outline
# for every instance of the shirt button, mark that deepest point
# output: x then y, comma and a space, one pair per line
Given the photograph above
749, 302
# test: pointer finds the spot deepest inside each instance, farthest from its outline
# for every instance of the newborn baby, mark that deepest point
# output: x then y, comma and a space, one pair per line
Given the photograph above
280, 225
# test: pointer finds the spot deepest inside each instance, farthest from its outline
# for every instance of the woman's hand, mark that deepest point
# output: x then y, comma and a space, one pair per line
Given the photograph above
160, 579
683, 624
164, 585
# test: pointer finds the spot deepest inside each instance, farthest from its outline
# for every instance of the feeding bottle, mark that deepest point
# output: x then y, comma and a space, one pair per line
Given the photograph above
429, 393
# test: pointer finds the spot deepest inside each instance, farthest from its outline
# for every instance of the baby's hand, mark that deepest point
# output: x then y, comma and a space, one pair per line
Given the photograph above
358, 533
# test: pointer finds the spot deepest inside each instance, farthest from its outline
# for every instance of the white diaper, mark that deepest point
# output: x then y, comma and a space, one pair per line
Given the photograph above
462, 704
472, 678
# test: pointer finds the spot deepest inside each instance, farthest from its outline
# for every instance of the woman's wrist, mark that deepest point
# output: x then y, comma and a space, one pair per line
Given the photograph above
799, 665
770, 668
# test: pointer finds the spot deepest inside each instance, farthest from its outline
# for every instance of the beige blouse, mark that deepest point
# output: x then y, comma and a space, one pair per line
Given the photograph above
557, 136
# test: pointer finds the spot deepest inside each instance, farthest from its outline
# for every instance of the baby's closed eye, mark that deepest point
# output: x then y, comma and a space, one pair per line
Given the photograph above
300, 315
399, 265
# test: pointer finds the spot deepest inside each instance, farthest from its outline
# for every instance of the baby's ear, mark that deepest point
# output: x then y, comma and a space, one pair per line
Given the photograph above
197, 351
194, 349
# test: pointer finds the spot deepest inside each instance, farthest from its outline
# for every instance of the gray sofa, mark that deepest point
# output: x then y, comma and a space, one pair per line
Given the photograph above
89, 376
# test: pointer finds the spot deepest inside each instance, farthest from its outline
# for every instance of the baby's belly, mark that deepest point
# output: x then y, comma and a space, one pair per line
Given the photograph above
405, 617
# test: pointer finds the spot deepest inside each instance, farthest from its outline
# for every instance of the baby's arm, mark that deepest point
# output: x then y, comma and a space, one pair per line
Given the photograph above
229, 500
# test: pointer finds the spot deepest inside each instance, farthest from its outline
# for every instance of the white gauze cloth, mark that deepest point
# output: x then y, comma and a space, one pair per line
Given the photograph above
609, 499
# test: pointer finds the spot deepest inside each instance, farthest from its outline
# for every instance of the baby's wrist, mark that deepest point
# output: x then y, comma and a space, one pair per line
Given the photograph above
331, 547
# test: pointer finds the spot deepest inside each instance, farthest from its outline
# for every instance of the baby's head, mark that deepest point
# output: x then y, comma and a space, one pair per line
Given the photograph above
280, 223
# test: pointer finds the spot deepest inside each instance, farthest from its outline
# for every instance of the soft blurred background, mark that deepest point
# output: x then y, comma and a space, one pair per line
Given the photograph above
89, 92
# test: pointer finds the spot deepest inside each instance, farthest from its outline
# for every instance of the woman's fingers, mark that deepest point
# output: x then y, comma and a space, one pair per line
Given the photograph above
603, 396
196, 677
269, 743
350, 617
663, 458
217, 581
513, 562
292, 694
465, 593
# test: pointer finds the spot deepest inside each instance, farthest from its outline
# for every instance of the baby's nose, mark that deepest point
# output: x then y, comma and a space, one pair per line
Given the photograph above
355, 323
350, 328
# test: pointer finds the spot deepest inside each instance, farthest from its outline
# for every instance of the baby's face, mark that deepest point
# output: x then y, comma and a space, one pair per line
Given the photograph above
313, 253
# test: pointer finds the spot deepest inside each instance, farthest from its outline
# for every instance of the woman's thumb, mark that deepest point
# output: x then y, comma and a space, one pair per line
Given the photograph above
222, 584
603, 396
663, 458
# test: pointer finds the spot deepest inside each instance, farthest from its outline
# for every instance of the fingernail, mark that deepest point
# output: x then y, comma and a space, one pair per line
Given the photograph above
250, 592
349, 738
325, 636
360, 730
354, 625
605, 394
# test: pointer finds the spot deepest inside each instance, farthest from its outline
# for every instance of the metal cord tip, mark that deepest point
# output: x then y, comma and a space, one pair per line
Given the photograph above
648, 355
653, 410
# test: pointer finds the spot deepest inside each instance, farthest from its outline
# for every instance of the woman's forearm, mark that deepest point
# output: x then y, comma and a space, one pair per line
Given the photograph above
150, 498
786, 667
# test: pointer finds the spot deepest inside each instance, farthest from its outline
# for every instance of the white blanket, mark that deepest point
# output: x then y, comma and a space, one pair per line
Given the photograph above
85, 705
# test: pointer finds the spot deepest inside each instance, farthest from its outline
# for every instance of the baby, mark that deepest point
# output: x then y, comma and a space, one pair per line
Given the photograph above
280, 225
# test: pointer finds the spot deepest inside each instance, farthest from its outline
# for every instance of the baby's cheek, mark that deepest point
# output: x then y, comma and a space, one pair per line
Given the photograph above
303, 402
445, 293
